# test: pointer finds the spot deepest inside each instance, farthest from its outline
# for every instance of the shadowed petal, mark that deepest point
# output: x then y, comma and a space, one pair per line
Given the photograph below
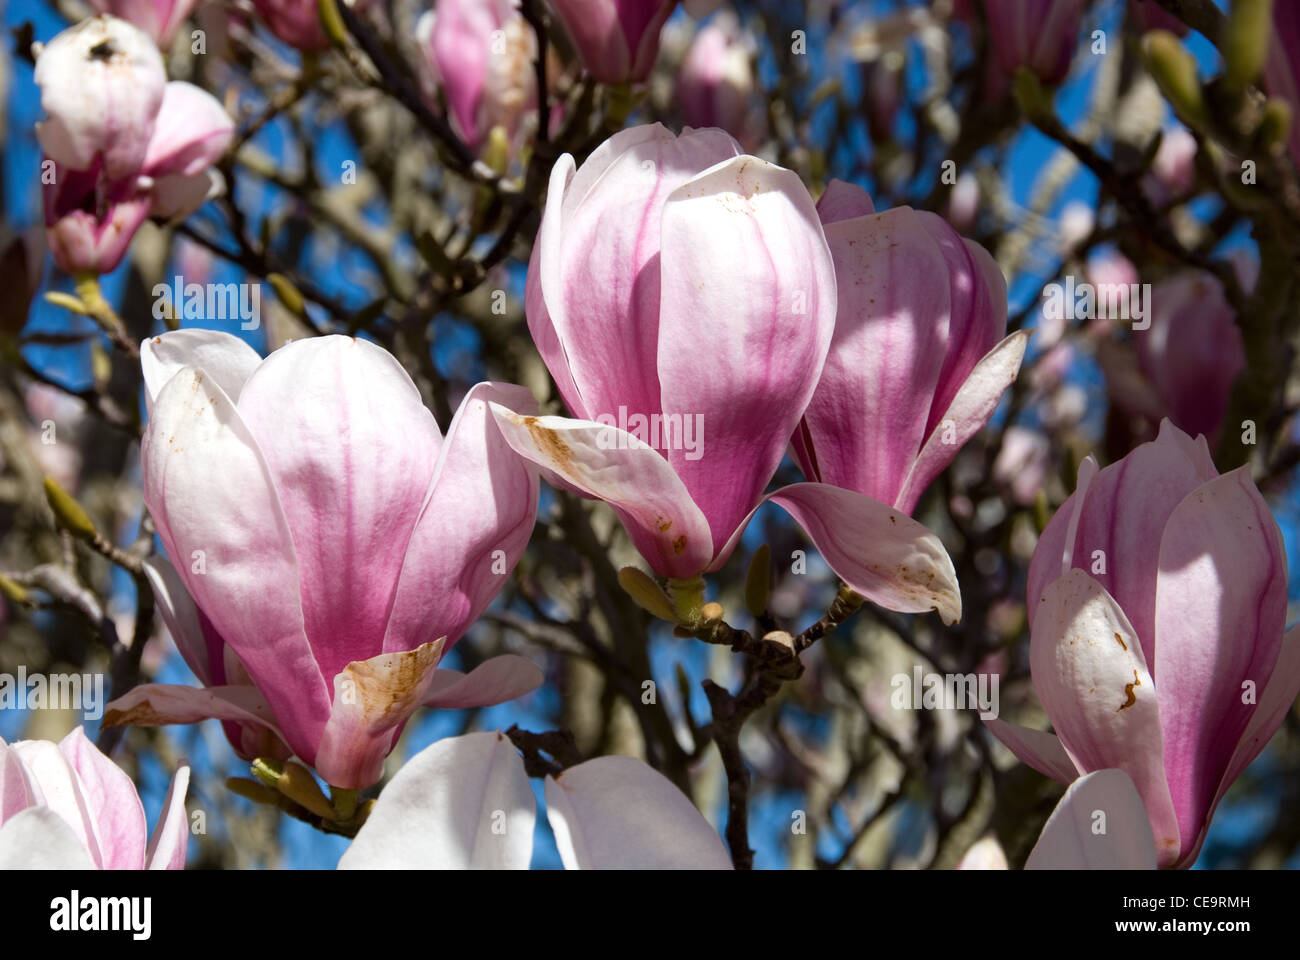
39, 839
1041, 750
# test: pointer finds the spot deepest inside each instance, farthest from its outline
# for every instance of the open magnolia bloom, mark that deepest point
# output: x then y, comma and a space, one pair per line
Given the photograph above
1100, 824
1157, 599
329, 544
683, 297
919, 359
66, 806
465, 803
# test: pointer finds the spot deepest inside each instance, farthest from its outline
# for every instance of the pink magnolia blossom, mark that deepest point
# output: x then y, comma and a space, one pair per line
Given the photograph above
609, 813
1151, 16
918, 361
481, 53
1041, 35
296, 22
683, 297
1157, 599
158, 18
617, 40
121, 143
329, 544
715, 84
67, 806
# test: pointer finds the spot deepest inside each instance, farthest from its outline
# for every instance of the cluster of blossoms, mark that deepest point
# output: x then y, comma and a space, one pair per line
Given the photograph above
327, 544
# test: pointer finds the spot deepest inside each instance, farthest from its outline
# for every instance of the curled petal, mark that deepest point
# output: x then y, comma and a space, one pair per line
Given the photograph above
494, 681
171, 835
223, 357
612, 465
1039, 749
876, 549
372, 699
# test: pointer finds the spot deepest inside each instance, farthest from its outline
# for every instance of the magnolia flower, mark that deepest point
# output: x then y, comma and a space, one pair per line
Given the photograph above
1100, 824
1040, 35
1173, 169
683, 298
124, 144
102, 84
67, 806
481, 53
918, 361
334, 542
296, 22
465, 803
617, 40
1184, 365
1157, 597
158, 18
715, 85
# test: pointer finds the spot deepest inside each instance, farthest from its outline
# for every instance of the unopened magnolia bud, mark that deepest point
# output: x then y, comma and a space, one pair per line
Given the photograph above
288, 293
70, 514
648, 595
1275, 122
1245, 46
1174, 70
297, 783
252, 790
13, 592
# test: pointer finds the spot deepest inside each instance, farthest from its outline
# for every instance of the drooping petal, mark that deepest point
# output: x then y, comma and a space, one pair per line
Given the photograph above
1220, 611
1039, 749
1100, 824
609, 464
111, 800
211, 496
372, 699
463, 803
877, 550
969, 411
161, 704
39, 839
352, 449
472, 529
493, 681
1092, 679
221, 356
746, 318
617, 813
171, 835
